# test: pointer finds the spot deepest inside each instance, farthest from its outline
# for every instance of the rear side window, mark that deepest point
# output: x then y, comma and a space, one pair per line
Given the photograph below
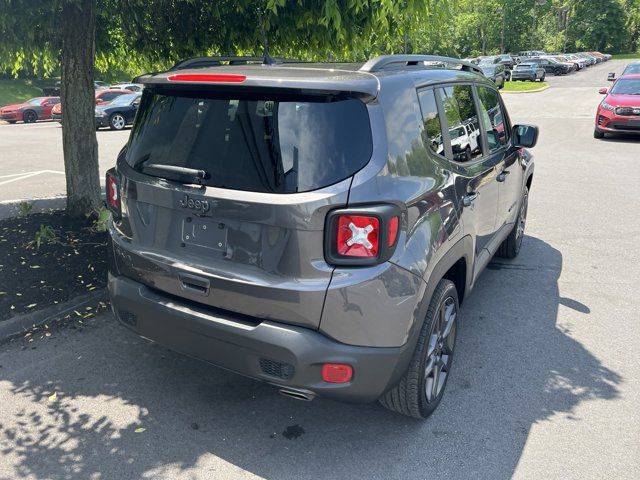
432, 133
462, 120
261, 144
493, 118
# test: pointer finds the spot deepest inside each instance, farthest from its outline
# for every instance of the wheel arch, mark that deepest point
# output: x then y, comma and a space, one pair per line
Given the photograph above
29, 110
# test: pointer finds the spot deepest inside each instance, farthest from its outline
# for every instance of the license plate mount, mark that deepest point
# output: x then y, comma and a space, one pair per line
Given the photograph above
204, 233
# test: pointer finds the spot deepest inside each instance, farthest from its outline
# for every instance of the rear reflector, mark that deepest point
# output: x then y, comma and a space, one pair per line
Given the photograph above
207, 78
113, 193
337, 373
393, 230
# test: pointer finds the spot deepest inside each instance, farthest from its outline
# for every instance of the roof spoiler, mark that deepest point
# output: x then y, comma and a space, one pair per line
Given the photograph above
412, 61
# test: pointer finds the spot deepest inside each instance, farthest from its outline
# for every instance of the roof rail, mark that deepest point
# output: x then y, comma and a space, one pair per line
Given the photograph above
202, 62
394, 61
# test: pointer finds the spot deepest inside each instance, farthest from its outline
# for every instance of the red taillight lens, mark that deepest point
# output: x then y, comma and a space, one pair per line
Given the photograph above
337, 373
393, 230
358, 236
113, 193
207, 77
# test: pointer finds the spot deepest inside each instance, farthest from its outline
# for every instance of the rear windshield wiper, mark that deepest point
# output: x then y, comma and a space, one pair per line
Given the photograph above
179, 174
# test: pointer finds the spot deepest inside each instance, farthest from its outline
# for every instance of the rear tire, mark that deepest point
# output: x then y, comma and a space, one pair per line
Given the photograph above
598, 134
29, 116
510, 247
422, 386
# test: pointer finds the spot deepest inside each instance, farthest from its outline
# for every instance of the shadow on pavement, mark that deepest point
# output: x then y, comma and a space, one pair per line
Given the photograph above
514, 368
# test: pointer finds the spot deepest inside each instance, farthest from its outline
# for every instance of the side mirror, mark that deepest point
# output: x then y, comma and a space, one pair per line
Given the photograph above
603, 91
525, 136
611, 77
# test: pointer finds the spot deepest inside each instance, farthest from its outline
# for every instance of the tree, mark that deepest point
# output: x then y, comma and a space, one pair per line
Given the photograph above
32, 37
135, 35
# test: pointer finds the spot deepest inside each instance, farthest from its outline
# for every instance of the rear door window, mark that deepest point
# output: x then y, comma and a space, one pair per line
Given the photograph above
260, 143
462, 120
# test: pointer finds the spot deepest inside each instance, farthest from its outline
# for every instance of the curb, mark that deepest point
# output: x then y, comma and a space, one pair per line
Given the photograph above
22, 323
10, 208
529, 91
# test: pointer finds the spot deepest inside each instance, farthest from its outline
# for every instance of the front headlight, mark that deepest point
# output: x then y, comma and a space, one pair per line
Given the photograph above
100, 113
606, 106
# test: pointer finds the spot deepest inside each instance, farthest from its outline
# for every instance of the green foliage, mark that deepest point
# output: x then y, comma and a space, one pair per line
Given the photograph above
524, 86
25, 208
101, 220
17, 90
44, 235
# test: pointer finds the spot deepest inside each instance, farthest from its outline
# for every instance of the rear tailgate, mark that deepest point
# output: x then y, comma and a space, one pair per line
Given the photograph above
246, 233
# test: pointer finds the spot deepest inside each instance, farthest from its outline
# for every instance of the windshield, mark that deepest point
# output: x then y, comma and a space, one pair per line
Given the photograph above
627, 86
456, 132
632, 69
260, 143
35, 101
123, 100
487, 61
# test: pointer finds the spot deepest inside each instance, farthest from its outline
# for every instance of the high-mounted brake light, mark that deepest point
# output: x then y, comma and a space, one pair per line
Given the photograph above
113, 193
207, 77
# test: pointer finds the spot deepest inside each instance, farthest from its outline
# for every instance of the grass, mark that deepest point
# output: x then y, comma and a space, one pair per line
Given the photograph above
626, 56
17, 90
524, 86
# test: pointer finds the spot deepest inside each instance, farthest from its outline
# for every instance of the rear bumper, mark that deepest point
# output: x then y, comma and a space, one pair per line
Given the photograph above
520, 76
280, 354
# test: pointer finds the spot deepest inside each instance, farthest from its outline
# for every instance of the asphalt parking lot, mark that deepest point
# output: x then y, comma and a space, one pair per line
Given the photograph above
545, 381
32, 163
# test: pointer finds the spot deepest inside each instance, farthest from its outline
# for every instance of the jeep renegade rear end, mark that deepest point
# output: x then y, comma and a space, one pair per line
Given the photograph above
304, 224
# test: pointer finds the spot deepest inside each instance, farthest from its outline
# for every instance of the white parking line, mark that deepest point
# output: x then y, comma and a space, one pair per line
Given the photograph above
22, 176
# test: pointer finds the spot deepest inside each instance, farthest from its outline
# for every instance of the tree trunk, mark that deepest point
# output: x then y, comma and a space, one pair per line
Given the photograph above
78, 104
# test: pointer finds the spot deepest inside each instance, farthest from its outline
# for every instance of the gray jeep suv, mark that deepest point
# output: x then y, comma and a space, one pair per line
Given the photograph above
315, 226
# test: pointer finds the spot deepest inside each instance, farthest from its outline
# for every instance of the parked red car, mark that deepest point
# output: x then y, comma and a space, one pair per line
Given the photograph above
102, 98
38, 108
619, 112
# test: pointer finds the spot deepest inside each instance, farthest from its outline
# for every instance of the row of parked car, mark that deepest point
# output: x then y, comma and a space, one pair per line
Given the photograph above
116, 106
534, 65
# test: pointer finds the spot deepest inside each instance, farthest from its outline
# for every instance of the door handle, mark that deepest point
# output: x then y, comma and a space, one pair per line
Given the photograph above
502, 176
468, 199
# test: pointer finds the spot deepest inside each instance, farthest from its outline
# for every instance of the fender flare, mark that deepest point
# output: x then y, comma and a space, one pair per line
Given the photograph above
463, 248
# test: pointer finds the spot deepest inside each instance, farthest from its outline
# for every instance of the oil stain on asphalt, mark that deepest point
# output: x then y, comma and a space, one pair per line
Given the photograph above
293, 431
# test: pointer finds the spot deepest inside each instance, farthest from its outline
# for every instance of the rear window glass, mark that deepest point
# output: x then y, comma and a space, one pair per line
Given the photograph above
261, 144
